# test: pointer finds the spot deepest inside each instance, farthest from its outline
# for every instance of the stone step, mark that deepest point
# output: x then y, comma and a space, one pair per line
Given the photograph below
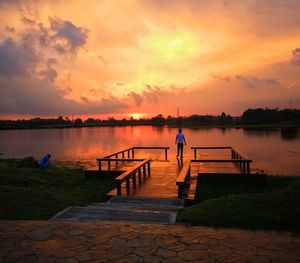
137, 207
95, 213
152, 201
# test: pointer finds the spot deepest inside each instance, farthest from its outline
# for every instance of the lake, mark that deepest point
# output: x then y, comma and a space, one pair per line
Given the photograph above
276, 151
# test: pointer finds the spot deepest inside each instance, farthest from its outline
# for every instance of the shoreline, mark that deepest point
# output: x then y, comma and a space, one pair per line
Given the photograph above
198, 126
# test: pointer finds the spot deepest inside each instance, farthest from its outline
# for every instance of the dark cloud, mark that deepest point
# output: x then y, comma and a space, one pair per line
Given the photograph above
138, 99
66, 36
296, 56
16, 58
9, 29
21, 95
221, 78
51, 61
49, 74
251, 82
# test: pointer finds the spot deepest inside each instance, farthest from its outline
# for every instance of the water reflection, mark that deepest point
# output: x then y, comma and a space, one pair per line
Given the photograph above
273, 150
290, 133
261, 132
180, 164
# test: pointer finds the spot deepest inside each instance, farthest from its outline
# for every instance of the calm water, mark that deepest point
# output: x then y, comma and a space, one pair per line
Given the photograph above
276, 151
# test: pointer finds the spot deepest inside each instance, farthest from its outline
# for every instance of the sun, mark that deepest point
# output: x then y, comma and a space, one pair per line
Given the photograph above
136, 116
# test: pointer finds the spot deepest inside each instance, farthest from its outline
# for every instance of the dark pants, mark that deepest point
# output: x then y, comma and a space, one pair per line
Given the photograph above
180, 149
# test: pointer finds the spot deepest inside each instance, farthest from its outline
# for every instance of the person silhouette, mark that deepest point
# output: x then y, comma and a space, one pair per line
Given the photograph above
179, 140
45, 161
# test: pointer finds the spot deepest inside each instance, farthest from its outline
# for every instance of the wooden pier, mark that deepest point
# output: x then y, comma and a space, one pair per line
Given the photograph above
151, 190
169, 177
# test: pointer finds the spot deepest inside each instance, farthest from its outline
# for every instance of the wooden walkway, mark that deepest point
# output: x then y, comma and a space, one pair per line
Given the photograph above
151, 187
162, 180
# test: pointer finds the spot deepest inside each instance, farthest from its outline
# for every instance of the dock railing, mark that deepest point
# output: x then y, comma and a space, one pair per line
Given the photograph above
236, 157
125, 177
130, 154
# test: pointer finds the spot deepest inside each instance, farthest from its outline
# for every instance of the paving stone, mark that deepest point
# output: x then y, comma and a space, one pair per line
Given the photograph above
151, 259
27, 259
192, 254
66, 260
258, 259
52, 248
85, 256
165, 253
76, 232
45, 260
117, 252
219, 252
16, 255
165, 241
131, 258
41, 233
44, 242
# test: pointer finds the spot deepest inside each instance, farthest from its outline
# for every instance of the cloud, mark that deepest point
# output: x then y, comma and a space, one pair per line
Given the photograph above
16, 58
23, 95
296, 56
66, 36
220, 78
251, 82
49, 74
138, 99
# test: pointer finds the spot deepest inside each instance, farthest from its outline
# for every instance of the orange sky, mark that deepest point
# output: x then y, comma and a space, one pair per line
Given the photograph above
117, 58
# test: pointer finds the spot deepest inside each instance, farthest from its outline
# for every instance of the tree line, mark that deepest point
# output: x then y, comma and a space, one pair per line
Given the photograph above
249, 117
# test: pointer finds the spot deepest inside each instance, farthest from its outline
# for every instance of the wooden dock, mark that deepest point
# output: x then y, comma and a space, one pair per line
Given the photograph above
167, 176
151, 188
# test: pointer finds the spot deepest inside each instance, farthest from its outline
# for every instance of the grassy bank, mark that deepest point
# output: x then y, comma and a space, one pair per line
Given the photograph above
32, 193
272, 202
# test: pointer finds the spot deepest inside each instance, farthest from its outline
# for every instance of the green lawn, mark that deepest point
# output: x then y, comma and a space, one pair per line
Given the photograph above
271, 202
33, 193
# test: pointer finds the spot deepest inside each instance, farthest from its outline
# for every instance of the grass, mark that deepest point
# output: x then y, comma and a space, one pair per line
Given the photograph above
36, 194
271, 202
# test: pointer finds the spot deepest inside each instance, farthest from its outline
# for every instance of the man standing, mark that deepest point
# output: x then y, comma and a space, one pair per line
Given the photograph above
179, 140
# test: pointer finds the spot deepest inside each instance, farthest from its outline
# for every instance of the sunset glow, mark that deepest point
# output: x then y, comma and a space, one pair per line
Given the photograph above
129, 58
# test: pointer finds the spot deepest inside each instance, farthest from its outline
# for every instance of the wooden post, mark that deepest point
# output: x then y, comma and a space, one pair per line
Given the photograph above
132, 153
127, 186
144, 170
195, 153
148, 168
179, 191
128, 154
166, 154
116, 159
140, 175
134, 179
248, 167
108, 165
123, 156
244, 167
99, 165
119, 191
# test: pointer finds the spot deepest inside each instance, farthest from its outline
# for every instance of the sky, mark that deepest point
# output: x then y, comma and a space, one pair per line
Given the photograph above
142, 58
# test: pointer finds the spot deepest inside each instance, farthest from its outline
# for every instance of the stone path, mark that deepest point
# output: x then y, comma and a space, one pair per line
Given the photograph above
71, 242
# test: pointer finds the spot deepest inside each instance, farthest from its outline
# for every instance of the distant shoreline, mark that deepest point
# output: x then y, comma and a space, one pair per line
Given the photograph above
196, 126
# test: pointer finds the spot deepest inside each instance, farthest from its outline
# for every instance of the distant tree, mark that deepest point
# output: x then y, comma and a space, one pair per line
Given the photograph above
90, 121
78, 122
158, 120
